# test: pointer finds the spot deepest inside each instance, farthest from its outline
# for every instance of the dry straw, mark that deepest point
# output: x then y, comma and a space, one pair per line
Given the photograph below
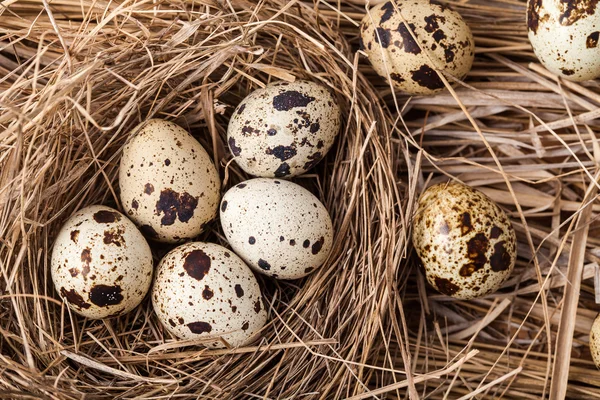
76, 76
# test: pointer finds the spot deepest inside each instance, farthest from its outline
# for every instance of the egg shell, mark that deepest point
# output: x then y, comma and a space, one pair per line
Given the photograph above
595, 341
284, 129
444, 42
464, 241
203, 290
279, 228
169, 185
564, 35
101, 264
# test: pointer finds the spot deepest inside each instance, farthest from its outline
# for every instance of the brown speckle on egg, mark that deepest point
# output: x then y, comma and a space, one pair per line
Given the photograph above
257, 307
174, 205
197, 264
148, 188
282, 171
445, 286
426, 77
74, 298
592, 40
114, 236
105, 295
316, 247
263, 264
200, 327
207, 293
289, 99
106, 217
239, 291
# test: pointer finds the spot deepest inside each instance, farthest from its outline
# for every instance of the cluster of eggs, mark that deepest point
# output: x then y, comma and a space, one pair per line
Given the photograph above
102, 264
169, 187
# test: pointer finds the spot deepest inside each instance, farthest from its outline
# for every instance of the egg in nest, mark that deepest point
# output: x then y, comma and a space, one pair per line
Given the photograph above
283, 129
101, 264
169, 185
278, 227
203, 290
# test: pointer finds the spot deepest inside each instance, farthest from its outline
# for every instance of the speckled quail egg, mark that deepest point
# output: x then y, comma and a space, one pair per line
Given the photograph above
444, 41
465, 242
564, 35
169, 185
101, 264
595, 341
279, 228
284, 129
202, 290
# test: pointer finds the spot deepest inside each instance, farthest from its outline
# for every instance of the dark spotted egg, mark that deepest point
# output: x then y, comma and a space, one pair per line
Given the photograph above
284, 129
443, 42
169, 185
564, 35
464, 241
205, 291
279, 228
101, 264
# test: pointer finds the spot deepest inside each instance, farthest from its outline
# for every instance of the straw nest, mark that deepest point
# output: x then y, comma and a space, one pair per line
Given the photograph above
76, 76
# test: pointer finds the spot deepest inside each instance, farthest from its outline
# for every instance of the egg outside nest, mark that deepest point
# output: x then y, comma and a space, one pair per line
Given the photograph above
564, 35
465, 242
443, 43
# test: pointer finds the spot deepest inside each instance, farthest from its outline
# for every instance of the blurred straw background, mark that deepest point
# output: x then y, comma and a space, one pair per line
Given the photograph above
76, 76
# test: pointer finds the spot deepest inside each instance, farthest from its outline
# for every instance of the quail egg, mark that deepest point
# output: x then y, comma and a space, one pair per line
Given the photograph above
169, 185
464, 241
443, 42
595, 341
284, 129
564, 35
101, 264
279, 228
202, 290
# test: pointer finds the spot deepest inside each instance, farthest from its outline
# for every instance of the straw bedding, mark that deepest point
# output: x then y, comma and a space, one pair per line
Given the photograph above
76, 76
